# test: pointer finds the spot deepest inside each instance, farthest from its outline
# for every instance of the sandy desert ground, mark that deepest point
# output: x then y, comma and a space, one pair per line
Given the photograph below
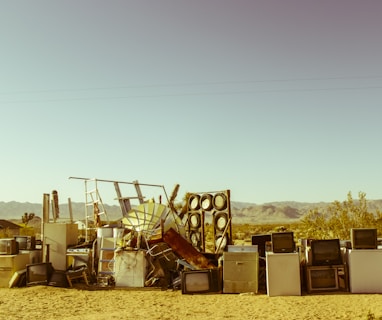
79, 302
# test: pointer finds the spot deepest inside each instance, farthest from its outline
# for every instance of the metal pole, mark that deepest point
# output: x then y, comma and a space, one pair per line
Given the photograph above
70, 210
126, 182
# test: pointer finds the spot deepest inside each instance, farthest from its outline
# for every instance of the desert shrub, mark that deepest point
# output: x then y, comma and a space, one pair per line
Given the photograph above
338, 218
27, 231
246, 231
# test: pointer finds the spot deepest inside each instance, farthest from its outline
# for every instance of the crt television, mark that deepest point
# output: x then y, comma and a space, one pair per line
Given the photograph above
326, 252
26, 242
8, 246
283, 242
323, 278
201, 281
39, 273
363, 238
260, 240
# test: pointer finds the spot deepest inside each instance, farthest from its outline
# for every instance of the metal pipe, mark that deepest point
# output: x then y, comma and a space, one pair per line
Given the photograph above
126, 182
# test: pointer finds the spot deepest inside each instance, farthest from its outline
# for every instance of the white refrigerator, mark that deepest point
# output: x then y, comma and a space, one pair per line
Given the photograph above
57, 238
283, 274
365, 270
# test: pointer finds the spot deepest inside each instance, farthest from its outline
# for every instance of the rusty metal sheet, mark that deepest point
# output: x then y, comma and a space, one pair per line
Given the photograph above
185, 250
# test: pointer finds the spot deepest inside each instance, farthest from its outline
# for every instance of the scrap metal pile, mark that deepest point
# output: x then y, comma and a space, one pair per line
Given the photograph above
153, 242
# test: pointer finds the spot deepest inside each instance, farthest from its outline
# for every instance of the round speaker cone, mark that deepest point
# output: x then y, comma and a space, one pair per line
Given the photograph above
194, 220
221, 221
206, 201
195, 238
193, 202
220, 201
221, 242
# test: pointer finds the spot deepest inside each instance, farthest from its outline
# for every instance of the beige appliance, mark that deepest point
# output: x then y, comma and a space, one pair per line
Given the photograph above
283, 274
130, 269
57, 238
9, 264
365, 270
35, 256
240, 272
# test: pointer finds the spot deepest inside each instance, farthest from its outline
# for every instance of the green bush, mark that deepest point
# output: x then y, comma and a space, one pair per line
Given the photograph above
338, 218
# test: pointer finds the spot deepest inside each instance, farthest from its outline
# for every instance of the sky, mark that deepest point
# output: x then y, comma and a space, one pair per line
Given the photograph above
272, 100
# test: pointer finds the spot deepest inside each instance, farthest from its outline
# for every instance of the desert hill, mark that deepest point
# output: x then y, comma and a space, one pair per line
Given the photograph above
274, 212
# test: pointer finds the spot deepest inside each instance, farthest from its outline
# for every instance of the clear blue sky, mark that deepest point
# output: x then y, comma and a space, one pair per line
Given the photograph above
274, 100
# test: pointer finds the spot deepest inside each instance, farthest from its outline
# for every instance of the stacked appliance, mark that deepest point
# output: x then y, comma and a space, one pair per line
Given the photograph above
324, 265
283, 266
364, 261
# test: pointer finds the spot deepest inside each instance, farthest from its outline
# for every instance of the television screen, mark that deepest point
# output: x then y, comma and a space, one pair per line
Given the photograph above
26, 242
58, 279
260, 240
363, 238
326, 252
283, 242
201, 281
322, 279
39, 273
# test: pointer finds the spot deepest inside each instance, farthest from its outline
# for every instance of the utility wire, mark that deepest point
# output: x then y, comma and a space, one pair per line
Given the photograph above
188, 84
195, 94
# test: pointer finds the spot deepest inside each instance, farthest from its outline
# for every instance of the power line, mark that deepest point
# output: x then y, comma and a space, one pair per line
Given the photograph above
188, 84
195, 94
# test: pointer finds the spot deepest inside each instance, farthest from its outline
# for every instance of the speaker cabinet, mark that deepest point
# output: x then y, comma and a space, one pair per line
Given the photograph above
216, 206
222, 230
195, 222
222, 221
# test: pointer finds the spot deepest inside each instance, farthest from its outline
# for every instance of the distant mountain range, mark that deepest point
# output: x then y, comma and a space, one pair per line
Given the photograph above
274, 212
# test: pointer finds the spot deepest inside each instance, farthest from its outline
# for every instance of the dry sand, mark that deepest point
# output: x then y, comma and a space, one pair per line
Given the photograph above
43, 302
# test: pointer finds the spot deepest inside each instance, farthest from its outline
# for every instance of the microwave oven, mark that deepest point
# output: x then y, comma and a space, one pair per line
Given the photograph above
8, 246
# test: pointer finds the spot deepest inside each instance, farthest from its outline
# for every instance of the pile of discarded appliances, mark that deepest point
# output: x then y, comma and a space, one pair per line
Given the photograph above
154, 245
151, 245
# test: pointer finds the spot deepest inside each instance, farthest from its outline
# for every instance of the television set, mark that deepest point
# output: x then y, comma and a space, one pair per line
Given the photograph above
58, 279
201, 281
260, 240
363, 238
323, 278
26, 242
326, 252
8, 246
283, 242
18, 279
39, 273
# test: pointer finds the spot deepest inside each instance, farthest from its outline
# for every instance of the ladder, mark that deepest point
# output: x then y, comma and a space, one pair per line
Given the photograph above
107, 257
94, 208
124, 202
